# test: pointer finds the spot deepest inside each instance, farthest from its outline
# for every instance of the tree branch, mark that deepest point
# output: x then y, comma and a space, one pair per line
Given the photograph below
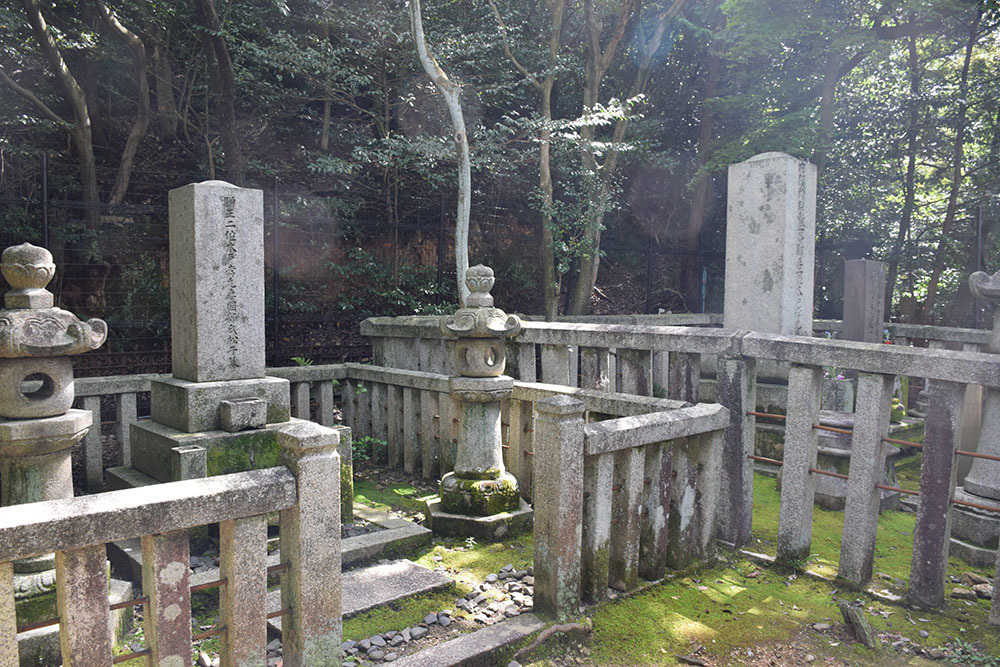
506, 48
31, 97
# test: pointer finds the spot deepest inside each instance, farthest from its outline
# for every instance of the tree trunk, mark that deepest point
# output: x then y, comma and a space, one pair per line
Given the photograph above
909, 183
233, 159
551, 279
691, 260
72, 92
452, 94
956, 176
600, 177
141, 123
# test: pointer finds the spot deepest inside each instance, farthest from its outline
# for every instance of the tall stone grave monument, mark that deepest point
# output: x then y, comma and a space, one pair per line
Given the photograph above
479, 498
218, 389
975, 532
770, 245
38, 427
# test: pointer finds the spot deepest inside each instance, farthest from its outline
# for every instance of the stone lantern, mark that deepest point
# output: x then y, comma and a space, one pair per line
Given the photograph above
479, 497
38, 428
975, 531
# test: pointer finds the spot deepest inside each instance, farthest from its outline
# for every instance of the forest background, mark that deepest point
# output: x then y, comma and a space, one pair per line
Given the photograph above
600, 134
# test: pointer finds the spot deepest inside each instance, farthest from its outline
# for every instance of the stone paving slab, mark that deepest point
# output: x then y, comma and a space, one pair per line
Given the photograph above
475, 648
365, 588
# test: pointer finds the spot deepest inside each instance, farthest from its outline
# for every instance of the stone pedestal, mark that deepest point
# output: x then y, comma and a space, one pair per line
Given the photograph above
479, 497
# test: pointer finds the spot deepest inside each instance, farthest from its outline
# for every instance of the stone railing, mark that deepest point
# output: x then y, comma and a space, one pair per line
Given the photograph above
77, 529
583, 354
624, 497
408, 406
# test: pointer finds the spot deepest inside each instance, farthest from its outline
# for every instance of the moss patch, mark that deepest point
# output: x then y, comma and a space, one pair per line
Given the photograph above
254, 451
469, 562
400, 497
893, 544
398, 615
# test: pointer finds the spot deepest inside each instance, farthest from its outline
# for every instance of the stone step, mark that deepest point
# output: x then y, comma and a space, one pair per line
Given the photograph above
399, 538
475, 648
368, 587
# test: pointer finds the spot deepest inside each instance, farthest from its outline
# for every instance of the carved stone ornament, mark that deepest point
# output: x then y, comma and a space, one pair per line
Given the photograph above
985, 286
30, 326
480, 328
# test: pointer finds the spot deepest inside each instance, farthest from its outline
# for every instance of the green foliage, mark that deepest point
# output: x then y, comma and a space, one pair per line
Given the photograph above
367, 448
370, 288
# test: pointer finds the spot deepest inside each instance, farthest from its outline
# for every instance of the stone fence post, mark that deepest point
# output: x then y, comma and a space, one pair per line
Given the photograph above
559, 509
310, 546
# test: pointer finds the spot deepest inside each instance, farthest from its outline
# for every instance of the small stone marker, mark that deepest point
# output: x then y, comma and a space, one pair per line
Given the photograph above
770, 245
217, 282
864, 299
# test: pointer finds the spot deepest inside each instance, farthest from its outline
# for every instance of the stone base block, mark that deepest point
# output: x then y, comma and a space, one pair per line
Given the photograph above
485, 528
975, 533
116, 479
479, 497
41, 647
831, 492
169, 455
194, 406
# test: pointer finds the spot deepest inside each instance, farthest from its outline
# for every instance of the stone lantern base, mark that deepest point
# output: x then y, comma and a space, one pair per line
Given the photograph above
492, 528
479, 497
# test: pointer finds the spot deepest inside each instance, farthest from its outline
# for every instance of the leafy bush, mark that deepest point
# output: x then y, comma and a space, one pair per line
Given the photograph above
368, 288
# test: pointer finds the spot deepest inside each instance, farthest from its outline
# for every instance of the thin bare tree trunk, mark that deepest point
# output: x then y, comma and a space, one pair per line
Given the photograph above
452, 94
691, 261
601, 176
80, 129
551, 279
233, 158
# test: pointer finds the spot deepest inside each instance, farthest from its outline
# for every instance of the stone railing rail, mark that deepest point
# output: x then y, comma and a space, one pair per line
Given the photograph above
77, 529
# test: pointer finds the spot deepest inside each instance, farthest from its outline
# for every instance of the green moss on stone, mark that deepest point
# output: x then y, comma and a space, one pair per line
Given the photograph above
36, 608
481, 497
253, 451
346, 492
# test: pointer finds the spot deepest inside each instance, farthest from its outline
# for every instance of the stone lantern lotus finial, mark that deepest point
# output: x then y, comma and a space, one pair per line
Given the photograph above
28, 269
480, 328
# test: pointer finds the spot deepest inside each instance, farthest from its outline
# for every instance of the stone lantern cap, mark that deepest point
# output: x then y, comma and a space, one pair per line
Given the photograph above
985, 286
30, 326
479, 319
480, 328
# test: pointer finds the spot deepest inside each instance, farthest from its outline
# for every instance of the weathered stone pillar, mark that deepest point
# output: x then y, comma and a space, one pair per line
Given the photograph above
770, 245
310, 546
37, 427
975, 532
559, 510
479, 497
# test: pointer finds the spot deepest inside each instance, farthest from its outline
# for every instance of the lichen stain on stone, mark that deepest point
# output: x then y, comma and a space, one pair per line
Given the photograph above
687, 507
171, 661
172, 612
172, 573
767, 283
